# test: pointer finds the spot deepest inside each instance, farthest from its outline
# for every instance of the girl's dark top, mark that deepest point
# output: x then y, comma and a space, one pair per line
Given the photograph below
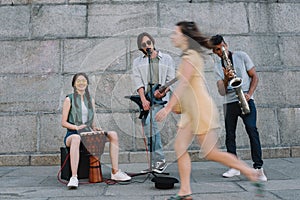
75, 113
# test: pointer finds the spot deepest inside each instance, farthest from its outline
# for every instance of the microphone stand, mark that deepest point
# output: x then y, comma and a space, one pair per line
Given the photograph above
151, 118
151, 104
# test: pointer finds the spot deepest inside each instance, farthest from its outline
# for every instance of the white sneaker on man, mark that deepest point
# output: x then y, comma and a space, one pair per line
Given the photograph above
120, 176
231, 173
160, 166
73, 183
261, 175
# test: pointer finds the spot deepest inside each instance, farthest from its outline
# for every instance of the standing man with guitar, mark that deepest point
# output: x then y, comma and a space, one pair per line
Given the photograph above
162, 71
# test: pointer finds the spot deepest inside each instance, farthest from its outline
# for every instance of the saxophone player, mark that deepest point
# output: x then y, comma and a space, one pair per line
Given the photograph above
243, 68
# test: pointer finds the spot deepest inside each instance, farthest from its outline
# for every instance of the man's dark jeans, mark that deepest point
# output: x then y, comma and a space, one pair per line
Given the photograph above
232, 111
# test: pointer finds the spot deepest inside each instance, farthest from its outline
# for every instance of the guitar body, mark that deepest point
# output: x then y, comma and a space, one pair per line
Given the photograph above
137, 99
155, 100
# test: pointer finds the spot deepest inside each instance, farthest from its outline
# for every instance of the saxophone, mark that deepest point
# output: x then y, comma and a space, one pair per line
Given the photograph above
236, 84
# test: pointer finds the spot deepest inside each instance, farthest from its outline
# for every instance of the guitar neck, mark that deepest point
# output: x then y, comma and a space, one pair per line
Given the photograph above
162, 88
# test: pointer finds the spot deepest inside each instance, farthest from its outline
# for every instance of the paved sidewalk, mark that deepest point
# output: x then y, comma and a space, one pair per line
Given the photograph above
40, 182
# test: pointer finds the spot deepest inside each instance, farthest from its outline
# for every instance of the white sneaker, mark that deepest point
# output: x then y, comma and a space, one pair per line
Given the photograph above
160, 167
73, 183
261, 174
231, 173
120, 176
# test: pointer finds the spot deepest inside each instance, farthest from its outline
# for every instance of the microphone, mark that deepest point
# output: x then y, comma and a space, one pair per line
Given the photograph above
148, 51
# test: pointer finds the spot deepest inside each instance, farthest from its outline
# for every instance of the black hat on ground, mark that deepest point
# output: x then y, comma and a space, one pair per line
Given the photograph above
164, 182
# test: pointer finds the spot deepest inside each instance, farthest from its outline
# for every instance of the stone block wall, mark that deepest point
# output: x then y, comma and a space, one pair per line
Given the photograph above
43, 43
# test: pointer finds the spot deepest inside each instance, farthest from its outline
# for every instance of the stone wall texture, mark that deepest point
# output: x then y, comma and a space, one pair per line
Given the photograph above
43, 43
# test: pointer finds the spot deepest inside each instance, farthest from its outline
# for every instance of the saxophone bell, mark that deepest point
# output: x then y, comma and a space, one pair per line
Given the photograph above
236, 84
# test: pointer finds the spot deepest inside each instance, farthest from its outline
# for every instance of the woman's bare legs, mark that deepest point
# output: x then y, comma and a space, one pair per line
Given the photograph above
114, 150
73, 141
208, 144
183, 140
211, 152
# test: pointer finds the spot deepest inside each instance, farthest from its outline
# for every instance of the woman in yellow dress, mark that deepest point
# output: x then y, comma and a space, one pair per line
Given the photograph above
199, 116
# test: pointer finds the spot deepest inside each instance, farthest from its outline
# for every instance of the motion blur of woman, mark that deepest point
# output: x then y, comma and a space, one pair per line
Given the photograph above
78, 116
199, 116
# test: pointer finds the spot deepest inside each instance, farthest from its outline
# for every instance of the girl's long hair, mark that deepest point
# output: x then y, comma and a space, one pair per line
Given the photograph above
196, 39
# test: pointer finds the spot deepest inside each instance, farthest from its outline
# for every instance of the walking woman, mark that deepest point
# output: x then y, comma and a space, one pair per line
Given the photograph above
199, 114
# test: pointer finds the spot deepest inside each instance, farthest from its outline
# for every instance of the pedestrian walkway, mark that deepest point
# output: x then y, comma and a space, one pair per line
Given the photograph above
41, 183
